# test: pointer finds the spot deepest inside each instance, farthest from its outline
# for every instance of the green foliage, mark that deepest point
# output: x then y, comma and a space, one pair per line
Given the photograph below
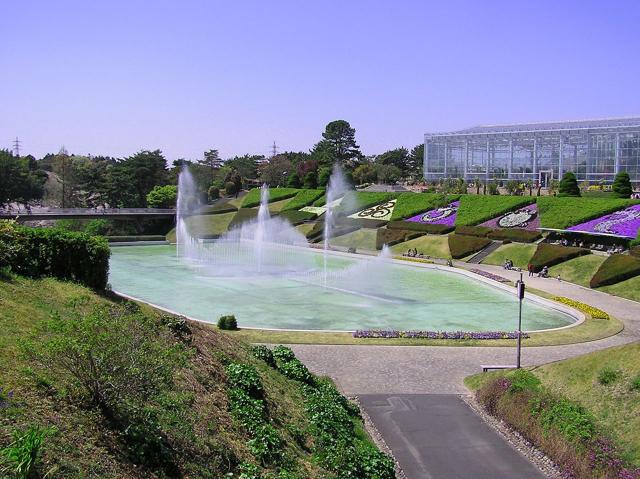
266, 444
411, 204
622, 185
501, 234
264, 354
477, 209
228, 322
389, 237
338, 145
479, 231
243, 214
283, 353
492, 189
230, 188
635, 383
560, 213
303, 198
614, 269
162, 196
420, 227
20, 457
21, 180
523, 380
293, 181
252, 199
245, 378
461, 245
549, 254
608, 376
296, 217
37, 252
213, 193
248, 411
365, 173
572, 420
323, 177
569, 185
294, 369
311, 180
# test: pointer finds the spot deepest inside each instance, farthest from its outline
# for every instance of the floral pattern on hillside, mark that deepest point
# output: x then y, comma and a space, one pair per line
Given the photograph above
525, 218
445, 215
624, 223
382, 212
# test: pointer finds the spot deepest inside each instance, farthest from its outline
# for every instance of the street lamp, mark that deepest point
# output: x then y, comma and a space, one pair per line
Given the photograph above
520, 290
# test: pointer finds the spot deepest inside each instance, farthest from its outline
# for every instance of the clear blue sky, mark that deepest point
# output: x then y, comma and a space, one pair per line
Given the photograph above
114, 77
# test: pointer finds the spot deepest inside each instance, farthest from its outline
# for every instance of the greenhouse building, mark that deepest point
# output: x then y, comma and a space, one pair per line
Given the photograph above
595, 150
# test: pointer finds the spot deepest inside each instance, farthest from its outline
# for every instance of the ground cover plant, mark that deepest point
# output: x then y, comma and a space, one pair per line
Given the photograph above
444, 215
578, 270
243, 214
561, 213
461, 245
585, 308
303, 198
429, 245
523, 218
252, 198
124, 391
296, 217
410, 204
550, 254
614, 269
476, 209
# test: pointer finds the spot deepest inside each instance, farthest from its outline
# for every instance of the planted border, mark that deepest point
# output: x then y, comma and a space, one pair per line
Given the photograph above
614, 269
411, 204
476, 209
460, 335
303, 198
550, 254
461, 245
252, 199
420, 227
592, 311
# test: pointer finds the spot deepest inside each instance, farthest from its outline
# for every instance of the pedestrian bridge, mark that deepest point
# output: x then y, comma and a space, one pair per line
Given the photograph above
39, 214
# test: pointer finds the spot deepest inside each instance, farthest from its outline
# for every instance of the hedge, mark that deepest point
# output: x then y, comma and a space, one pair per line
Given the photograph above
252, 198
411, 204
125, 239
296, 217
243, 214
303, 198
614, 269
317, 232
501, 234
421, 227
480, 231
476, 209
37, 252
462, 245
217, 209
362, 222
550, 254
560, 213
389, 237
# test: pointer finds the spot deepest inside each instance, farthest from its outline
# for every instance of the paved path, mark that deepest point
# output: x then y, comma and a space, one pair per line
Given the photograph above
440, 437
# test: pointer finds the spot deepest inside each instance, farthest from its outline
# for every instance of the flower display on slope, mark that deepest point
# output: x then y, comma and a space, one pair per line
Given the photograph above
383, 211
525, 218
445, 215
320, 210
621, 223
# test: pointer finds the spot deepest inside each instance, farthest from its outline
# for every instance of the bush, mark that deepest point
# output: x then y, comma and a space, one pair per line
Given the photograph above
266, 445
476, 209
549, 254
303, 198
37, 252
20, 457
479, 231
293, 181
245, 378
461, 245
389, 237
311, 180
560, 213
421, 227
411, 204
213, 193
283, 353
252, 199
515, 235
228, 322
294, 369
523, 380
614, 269
608, 376
230, 188
569, 185
622, 185
162, 196
264, 354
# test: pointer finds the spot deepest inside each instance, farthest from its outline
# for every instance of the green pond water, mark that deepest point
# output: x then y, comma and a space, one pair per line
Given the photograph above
359, 294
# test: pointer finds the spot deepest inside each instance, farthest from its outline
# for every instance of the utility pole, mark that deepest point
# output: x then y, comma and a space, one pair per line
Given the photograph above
274, 149
16, 147
520, 289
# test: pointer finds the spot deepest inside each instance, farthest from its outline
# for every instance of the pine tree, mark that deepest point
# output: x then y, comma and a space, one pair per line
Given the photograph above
569, 185
622, 185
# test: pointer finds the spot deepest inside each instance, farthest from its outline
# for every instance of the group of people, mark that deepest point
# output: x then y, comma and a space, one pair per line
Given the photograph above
508, 264
594, 246
413, 253
543, 273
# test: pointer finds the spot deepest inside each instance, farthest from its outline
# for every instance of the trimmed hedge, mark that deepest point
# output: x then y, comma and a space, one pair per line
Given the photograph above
560, 213
66, 255
296, 217
501, 234
243, 214
303, 198
362, 222
411, 204
252, 198
462, 245
420, 227
614, 269
480, 231
550, 254
389, 237
476, 209
124, 239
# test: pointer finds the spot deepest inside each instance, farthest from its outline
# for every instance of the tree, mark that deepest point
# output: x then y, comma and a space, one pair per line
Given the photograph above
275, 171
162, 196
311, 180
365, 173
20, 179
415, 160
246, 165
514, 188
324, 174
388, 173
622, 185
398, 158
338, 145
211, 159
131, 179
569, 185
293, 181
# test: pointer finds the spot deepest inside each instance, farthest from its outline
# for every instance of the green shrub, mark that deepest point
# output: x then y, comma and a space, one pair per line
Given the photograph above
421, 227
303, 198
243, 214
296, 217
248, 411
294, 369
311, 180
213, 193
283, 353
622, 185
549, 254
245, 378
252, 199
635, 383
98, 227
614, 269
37, 252
162, 196
20, 457
572, 420
568, 185
266, 444
389, 237
523, 380
264, 354
230, 188
479, 231
461, 245
293, 181
560, 213
228, 322
608, 376
476, 209
411, 204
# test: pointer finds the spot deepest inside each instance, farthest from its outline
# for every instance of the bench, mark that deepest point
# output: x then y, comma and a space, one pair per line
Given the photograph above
487, 367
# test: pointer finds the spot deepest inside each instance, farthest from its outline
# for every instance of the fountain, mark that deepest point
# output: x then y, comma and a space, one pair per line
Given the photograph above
337, 187
187, 202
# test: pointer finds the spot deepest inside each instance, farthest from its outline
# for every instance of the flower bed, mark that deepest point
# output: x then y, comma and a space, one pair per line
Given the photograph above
445, 215
525, 218
410, 204
492, 276
476, 209
382, 211
595, 313
622, 223
394, 333
561, 213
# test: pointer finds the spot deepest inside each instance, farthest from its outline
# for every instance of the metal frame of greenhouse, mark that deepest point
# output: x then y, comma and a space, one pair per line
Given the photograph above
595, 150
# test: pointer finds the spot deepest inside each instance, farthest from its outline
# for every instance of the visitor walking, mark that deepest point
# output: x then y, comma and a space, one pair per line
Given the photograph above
530, 269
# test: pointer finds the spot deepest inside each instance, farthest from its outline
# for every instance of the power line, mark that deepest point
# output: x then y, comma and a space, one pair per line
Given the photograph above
274, 149
16, 147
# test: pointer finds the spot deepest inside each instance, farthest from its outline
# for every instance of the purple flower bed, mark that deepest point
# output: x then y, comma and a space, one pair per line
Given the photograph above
394, 333
525, 218
440, 216
492, 276
622, 223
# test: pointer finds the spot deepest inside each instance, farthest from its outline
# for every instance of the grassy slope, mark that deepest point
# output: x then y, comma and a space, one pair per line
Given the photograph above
578, 270
476, 209
436, 246
304, 228
560, 213
629, 289
205, 224
520, 254
363, 238
277, 206
83, 445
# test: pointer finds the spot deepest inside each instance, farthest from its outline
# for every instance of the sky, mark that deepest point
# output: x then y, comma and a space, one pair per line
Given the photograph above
115, 77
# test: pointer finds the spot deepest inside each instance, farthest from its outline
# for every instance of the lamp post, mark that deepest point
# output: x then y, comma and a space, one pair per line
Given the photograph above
520, 290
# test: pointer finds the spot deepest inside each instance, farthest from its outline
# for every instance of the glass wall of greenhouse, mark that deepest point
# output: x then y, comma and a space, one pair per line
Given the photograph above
595, 150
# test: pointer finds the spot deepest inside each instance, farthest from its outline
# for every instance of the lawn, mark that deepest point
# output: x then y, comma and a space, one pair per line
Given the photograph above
277, 206
305, 228
362, 239
629, 288
205, 225
436, 246
578, 270
520, 254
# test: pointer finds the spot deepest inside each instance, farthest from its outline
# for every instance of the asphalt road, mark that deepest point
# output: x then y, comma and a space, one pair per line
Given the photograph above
438, 436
